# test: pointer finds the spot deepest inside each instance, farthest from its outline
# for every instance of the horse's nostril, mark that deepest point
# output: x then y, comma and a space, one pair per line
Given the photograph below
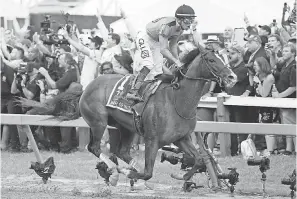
231, 77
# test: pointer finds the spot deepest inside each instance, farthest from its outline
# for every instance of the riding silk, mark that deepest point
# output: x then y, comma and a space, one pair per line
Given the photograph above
117, 98
147, 54
148, 51
165, 26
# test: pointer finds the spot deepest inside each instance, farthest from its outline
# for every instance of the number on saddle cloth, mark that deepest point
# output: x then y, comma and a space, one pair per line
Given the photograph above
117, 98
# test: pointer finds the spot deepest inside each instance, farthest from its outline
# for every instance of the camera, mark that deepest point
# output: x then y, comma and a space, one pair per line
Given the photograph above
291, 181
22, 70
48, 36
171, 159
232, 176
264, 163
46, 24
186, 161
268, 46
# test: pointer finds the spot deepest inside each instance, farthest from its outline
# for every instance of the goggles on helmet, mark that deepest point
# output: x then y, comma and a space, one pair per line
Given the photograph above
188, 20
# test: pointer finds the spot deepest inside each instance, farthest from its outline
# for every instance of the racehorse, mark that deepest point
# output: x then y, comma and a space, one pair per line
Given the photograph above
169, 115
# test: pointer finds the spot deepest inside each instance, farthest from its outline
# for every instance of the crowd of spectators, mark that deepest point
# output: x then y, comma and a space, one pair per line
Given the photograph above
265, 67
38, 67
41, 65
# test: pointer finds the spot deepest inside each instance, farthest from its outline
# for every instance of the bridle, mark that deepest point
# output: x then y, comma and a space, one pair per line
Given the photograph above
216, 78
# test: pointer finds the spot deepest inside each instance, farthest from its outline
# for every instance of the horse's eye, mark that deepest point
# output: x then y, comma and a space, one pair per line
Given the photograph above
211, 60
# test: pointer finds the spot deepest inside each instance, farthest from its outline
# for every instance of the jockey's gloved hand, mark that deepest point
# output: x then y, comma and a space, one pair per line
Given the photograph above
194, 25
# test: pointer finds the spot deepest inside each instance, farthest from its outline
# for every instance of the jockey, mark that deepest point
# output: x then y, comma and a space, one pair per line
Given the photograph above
159, 40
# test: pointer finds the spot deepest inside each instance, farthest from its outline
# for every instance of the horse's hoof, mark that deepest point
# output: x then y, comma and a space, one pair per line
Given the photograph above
148, 185
114, 177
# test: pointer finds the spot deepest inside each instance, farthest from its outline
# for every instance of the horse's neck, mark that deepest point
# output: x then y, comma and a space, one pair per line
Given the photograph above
188, 96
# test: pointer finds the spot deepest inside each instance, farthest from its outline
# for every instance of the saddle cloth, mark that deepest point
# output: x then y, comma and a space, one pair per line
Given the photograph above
117, 98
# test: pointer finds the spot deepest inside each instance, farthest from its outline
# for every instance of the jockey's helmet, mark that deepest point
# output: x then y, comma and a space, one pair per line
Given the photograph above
184, 11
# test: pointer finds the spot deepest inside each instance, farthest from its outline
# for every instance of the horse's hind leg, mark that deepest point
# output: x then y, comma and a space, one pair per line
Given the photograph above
186, 145
95, 139
125, 144
95, 115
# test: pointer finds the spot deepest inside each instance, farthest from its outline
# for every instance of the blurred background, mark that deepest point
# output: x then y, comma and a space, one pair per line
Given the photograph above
212, 15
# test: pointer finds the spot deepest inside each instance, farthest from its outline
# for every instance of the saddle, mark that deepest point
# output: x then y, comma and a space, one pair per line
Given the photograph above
118, 100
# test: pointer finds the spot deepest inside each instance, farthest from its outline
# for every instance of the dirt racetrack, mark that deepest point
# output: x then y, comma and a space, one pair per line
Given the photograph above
76, 178
31, 187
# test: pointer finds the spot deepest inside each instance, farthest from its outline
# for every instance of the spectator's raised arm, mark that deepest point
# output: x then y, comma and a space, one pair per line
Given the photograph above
128, 23
48, 78
75, 44
21, 32
101, 26
40, 45
4, 45
246, 20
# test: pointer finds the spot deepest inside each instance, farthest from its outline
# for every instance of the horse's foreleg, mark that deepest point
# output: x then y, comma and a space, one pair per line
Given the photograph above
151, 150
186, 145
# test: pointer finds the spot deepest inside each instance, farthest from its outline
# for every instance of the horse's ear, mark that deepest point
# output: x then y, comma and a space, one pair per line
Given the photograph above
188, 58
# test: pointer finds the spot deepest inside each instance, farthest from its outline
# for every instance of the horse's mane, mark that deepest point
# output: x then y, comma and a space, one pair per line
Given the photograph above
187, 60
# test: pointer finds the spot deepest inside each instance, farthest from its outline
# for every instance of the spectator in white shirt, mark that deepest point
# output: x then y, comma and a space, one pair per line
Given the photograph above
92, 59
110, 49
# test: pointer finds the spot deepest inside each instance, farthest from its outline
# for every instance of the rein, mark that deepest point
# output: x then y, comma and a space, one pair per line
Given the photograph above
180, 115
195, 78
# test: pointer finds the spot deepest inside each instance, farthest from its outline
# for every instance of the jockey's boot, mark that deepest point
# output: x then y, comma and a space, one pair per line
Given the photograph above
134, 92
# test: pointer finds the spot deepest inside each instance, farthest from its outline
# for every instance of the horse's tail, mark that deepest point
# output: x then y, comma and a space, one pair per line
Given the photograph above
65, 105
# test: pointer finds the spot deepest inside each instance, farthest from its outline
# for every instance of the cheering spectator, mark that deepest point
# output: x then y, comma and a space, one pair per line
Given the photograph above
264, 30
237, 113
228, 34
9, 139
286, 87
67, 62
71, 76
110, 50
255, 48
28, 88
263, 81
274, 50
106, 68
93, 57
15, 58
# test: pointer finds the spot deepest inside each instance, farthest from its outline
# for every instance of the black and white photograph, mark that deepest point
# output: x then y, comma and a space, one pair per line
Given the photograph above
135, 99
